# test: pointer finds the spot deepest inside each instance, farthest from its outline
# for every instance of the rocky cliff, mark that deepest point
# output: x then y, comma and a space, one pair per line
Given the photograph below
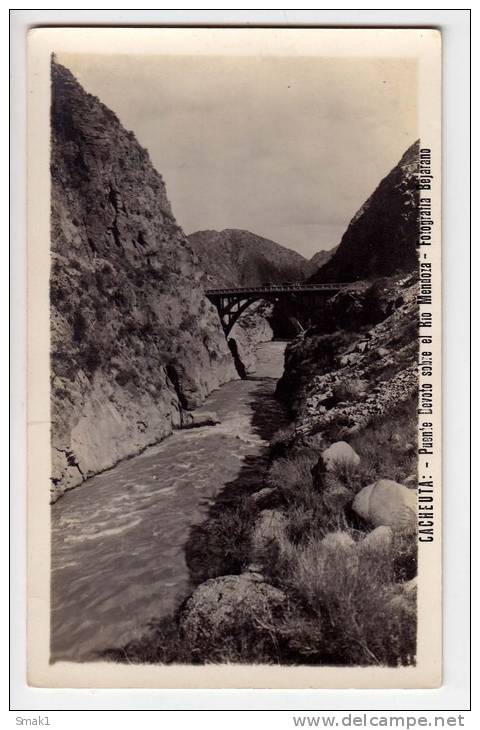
134, 342
382, 237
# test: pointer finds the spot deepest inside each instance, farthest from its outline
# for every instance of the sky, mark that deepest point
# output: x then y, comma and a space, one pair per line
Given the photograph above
288, 148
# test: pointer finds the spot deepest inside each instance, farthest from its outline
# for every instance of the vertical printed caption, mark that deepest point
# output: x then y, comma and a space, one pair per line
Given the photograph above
426, 369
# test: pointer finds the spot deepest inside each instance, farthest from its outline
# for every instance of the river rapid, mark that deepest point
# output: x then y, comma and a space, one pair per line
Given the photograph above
118, 540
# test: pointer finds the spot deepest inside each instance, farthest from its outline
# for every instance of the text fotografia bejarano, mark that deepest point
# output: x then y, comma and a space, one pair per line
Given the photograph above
425, 328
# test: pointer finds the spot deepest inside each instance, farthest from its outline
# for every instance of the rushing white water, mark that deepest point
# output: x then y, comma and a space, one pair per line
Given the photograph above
118, 540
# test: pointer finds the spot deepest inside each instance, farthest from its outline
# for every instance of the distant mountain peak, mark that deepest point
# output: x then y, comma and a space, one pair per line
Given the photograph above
320, 258
237, 257
382, 236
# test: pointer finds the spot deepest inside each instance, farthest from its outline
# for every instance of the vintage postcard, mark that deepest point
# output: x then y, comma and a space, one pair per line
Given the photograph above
234, 358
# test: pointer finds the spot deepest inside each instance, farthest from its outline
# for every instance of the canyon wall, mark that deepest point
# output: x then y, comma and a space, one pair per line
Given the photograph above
382, 237
134, 342
357, 361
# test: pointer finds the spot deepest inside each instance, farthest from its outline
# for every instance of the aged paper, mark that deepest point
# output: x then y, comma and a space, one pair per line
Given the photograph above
234, 398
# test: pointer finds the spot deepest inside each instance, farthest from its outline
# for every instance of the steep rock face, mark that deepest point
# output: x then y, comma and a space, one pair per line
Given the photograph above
240, 258
250, 330
134, 342
382, 237
343, 381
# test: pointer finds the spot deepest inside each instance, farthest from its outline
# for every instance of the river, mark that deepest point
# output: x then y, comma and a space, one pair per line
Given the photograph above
118, 540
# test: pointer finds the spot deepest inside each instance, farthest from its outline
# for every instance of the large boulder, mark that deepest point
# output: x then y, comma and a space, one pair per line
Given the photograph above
195, 419
338, 541
221, 609
386, 502
378, 540
340, 453
410, 586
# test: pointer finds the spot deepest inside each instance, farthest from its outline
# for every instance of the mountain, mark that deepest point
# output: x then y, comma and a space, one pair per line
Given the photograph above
382, 237
239, 258
134, 341
320, 258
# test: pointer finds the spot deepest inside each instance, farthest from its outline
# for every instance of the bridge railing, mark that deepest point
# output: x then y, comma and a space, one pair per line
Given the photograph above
277, 288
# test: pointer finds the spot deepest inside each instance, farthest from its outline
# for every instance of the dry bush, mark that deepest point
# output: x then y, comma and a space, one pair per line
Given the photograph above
387, 446
315, 500
293, 473
347, 474
282, 440
303, 522
342, 609
350, 595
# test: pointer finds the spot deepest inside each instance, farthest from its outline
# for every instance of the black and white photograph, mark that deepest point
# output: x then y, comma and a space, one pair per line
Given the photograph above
243, 331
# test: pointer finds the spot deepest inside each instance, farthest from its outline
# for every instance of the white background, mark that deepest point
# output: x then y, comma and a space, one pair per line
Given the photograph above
454, 695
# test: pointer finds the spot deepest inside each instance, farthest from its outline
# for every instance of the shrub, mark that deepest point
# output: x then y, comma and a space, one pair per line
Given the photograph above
147, 329
303, 522
350, 595
188, 323
388, 445
346, 473
79, 326
127, 375
91, 358
373, 305
405, 551
293, 473
120, 299
282, 440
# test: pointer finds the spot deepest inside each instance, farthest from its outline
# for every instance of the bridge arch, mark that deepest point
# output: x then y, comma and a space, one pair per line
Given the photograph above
231, 309
232, 302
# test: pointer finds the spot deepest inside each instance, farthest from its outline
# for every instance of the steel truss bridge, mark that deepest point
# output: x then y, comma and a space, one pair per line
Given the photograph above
232, 302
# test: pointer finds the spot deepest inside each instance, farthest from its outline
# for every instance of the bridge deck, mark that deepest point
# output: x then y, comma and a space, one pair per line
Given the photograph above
275, 289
